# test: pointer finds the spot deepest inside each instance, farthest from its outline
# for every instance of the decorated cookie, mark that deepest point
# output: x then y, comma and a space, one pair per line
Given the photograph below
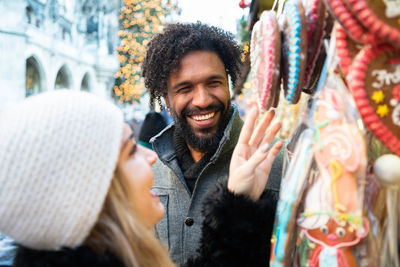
375, 84
350, 23
333, 243
347, 49
294, 50
381, 17
315, 18
342, 143
265, 57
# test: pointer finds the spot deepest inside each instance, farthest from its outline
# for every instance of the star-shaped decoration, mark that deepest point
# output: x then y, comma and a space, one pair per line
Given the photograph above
382, 110
378, 96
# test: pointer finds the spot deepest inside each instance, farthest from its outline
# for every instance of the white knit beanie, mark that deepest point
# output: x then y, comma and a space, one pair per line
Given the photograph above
58, 152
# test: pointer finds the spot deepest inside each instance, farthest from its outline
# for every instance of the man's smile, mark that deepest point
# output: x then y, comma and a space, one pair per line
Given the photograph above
203, 117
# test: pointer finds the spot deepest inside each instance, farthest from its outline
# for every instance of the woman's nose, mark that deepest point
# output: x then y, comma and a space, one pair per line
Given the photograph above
151, 156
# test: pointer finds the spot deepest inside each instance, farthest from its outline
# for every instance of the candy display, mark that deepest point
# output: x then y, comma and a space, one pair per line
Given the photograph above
315, 11
265, 60
294, 50
332, 222
381, 17
340, 115
376, 88
347, 49
343, 14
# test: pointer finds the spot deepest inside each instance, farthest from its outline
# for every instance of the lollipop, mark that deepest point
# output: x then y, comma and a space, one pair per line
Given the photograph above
265, 56
294, 50
387, 169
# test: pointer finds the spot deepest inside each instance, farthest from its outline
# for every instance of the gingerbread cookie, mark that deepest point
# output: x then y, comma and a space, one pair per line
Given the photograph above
294, 49
347, 49
381, 17
315, 18
350, 23
375, 84
265, 57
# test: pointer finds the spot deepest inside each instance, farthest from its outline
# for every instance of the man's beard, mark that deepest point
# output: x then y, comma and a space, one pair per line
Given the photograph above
202, 144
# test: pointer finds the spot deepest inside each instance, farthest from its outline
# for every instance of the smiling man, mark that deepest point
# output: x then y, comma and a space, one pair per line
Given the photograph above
189, 66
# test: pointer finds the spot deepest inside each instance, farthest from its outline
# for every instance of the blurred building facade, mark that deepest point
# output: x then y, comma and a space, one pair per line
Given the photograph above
51, 44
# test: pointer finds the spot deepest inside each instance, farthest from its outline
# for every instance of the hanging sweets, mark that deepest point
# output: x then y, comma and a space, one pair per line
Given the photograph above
381, 17
347, 49
332, 223
265, 57
294, 50
375, 82
348, 20
315, 13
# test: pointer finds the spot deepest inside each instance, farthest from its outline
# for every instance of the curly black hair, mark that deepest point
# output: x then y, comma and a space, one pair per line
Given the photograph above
166, 49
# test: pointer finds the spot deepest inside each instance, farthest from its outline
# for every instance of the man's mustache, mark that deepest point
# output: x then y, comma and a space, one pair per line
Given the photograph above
198, 111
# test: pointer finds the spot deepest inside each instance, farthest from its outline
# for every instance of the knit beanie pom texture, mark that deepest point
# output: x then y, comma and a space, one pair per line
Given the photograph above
58, 152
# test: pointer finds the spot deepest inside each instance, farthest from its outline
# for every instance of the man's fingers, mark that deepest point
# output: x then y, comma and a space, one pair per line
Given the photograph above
248, 126
259, 132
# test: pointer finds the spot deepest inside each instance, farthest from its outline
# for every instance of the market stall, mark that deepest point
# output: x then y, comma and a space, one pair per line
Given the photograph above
331, 69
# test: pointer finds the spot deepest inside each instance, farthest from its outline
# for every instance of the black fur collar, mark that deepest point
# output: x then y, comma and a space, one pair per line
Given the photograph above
79, 257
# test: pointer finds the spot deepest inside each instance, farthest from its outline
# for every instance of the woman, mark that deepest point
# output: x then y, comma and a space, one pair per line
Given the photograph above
76, 189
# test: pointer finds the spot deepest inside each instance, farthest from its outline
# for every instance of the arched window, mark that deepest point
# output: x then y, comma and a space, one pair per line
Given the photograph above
63, 79
85, 85
33, 77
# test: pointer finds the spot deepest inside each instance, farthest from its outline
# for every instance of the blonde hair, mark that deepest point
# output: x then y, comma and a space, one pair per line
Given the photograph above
119, 231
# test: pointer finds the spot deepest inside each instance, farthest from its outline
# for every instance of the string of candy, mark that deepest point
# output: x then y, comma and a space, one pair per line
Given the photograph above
347, 19
270, 41
294, 49
375, 25
311, 26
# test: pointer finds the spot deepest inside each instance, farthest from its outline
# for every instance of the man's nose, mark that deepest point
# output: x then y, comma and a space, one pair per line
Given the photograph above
202, 97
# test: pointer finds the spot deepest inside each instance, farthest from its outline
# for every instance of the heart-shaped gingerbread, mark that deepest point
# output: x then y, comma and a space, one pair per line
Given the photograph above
346, 48
381, 17
341, 11
375, 82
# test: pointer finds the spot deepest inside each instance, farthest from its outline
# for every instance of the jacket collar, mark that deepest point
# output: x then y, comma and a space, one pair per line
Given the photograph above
163, 142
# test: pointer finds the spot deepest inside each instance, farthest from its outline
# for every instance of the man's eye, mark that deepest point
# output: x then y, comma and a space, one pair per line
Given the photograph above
133, 150
214, 83
183, 90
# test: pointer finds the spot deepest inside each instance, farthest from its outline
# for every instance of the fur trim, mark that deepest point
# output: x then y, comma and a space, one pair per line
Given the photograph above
236, 230
79, 257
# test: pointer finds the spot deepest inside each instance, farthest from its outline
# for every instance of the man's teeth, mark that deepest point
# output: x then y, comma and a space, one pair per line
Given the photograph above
204, 116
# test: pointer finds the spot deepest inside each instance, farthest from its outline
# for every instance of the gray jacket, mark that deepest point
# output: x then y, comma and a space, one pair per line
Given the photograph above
180, 228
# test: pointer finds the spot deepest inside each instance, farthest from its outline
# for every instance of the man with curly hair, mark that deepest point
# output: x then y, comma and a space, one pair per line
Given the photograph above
189, 66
